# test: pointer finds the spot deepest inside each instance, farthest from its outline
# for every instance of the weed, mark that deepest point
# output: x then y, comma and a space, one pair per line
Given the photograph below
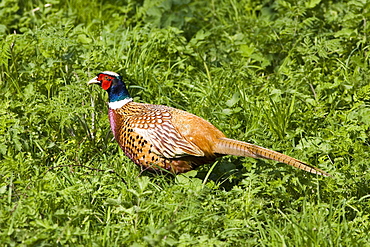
289, 75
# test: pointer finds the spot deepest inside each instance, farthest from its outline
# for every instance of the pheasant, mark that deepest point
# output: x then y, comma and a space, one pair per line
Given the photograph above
158, 137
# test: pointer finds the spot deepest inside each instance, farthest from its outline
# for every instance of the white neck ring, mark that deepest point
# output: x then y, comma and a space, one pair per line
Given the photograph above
119, 103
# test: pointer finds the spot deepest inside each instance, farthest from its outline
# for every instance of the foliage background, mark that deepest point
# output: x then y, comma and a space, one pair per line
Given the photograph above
290, 75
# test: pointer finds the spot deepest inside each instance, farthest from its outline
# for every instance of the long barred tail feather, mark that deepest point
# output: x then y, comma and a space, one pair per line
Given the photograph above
239, 148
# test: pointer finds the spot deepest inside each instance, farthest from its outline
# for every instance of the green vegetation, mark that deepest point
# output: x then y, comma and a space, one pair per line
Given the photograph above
289, 75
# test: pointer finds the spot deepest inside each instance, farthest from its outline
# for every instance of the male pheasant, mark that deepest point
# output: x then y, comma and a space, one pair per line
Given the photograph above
158, 137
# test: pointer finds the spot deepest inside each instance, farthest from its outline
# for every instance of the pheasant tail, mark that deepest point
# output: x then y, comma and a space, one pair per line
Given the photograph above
239, 148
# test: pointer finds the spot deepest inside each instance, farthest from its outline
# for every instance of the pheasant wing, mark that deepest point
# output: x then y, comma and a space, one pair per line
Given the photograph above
168, 143
156, 127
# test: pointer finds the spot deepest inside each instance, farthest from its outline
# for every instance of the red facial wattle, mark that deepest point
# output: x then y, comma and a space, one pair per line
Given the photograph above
106, 81
106, 84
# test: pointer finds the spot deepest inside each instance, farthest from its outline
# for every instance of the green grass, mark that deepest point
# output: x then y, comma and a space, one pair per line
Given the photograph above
289, 75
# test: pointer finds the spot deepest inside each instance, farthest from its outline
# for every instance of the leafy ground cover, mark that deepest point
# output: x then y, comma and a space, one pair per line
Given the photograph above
289, 75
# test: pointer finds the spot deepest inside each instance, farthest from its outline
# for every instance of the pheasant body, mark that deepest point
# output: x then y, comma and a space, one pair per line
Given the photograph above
158, 137
161, 137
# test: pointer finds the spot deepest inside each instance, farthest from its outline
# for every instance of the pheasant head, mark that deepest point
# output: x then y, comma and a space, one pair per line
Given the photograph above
115, 87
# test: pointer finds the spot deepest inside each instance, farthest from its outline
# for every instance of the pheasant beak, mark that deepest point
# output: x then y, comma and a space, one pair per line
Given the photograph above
94, 81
